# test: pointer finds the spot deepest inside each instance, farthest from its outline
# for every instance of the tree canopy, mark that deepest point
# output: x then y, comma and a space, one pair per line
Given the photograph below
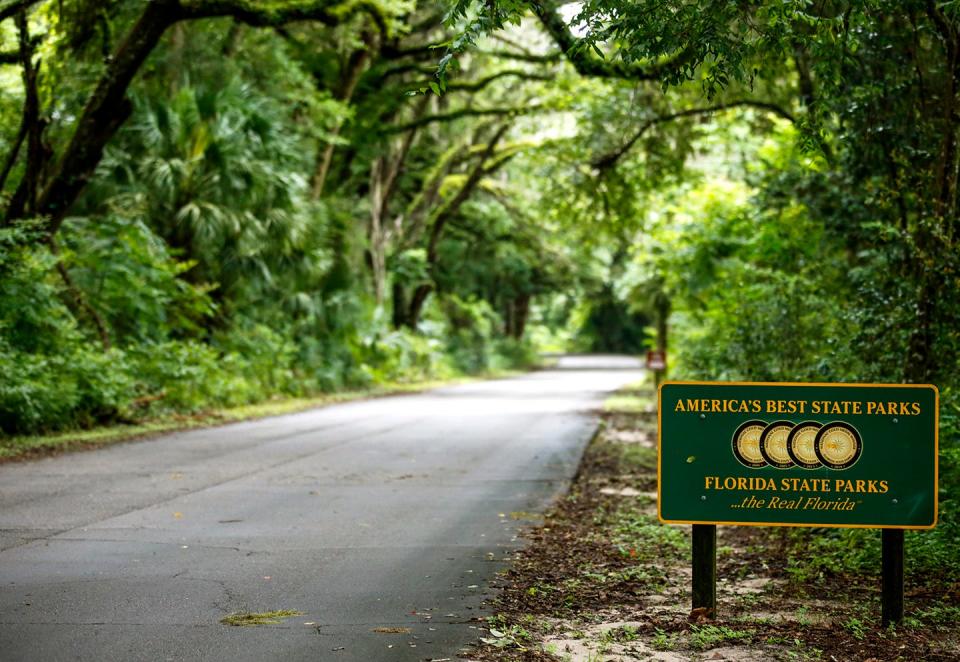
212, 202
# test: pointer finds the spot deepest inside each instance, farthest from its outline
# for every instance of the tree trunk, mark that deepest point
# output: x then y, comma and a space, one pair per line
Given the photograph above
440, 218
521, 312
416, 305
662, 307
919, 366
107, 109
383, 177
399, 306
376, 235
348, 83
24, 200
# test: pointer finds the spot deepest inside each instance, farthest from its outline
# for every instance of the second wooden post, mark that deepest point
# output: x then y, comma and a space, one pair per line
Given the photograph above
705, 567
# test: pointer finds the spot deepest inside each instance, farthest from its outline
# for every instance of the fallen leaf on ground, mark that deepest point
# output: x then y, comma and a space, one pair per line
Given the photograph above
700, 615
242, 619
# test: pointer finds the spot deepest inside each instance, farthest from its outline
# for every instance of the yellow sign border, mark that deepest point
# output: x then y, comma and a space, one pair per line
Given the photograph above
936, 454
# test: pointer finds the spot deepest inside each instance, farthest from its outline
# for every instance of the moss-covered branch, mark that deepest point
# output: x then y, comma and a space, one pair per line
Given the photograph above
444, 213
108, 108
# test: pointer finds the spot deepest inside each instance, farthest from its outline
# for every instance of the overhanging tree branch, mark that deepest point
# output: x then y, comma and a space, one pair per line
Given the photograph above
480, 83
547, 58
588, 65
13, 8
253, 12
24, 198
108, 108
449, 208
460, 113
609, 159
443, 214
13, 57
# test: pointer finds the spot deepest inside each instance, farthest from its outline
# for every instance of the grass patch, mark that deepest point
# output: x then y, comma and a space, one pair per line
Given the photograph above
507, 636
639, 458
644, 537
627, 404
622, 634
703, 637
246, 618
819, 556
940, 614
664, 641
631, 399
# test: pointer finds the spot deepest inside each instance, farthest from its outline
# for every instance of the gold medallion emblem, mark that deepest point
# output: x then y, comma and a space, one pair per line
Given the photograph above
746, 444
773, 444
801, 445
838, 445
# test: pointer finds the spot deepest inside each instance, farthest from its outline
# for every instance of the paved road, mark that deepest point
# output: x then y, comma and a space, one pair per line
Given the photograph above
387, 513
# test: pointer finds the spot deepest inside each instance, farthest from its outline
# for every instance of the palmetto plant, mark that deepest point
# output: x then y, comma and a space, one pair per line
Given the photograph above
213, 172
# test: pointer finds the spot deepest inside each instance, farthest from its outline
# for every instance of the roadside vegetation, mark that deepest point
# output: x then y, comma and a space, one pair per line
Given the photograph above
29, 446
210, 204
603, 580
211, 209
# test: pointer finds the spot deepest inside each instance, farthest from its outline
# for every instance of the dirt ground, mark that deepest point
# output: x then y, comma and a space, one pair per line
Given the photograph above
603, 580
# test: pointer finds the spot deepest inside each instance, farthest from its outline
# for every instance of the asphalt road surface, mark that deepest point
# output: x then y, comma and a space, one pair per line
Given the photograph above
391, 513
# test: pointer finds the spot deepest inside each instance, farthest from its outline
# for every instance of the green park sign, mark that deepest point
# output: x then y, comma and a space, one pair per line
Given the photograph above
788, 454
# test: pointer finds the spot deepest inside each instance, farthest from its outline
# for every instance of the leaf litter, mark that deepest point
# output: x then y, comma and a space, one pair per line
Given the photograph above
246, 619
603, 580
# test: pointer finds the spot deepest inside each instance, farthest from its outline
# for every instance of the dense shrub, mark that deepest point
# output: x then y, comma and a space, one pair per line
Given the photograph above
57, 374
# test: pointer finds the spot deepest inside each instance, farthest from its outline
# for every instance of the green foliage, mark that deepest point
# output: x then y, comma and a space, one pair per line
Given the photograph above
611, 326
471, 338
400, 355
52, 376
836, 553
287, 211
703, 637
641, 536
139, 287
202, 251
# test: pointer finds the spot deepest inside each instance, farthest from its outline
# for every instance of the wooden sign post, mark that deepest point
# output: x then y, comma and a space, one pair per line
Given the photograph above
704, 549
786, 454
892, 571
